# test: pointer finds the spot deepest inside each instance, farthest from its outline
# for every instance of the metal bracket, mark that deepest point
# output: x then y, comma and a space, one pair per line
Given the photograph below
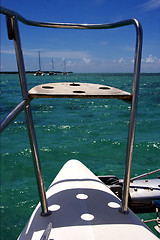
10, 31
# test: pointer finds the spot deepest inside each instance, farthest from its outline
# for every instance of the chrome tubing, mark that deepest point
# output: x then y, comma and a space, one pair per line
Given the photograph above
13, 114
19, 55
32, 136
133, 112
137, 63
36, 162
11, 13
144, 175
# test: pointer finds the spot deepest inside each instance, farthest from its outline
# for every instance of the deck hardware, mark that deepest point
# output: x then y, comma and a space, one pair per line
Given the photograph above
145, 175
67, 89
157, 219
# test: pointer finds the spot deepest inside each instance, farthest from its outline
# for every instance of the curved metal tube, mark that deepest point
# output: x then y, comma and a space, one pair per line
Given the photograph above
13, 114
20, 18
131, 131
137, 63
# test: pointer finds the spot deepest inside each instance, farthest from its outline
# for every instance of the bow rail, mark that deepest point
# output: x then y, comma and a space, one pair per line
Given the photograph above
13, 34
20, 18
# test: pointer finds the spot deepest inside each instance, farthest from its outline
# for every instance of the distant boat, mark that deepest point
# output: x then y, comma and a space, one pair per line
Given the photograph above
39, 72
64, 73
52, 72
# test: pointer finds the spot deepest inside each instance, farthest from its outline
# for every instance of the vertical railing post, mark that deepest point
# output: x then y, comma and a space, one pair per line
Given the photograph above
131, 131
13, 32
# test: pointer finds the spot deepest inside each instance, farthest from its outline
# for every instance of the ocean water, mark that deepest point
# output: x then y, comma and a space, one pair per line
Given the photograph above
93, 131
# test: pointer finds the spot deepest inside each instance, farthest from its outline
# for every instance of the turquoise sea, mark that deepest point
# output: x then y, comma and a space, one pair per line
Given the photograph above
93, 131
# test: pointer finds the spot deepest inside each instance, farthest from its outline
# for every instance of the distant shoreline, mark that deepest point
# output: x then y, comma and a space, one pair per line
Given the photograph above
32, 72
15, 72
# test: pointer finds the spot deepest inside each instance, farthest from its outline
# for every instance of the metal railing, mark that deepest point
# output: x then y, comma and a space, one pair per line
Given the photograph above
13, 34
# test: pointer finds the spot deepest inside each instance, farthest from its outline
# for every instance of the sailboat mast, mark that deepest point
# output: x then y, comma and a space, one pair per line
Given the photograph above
39, 61
52, 65
64, 65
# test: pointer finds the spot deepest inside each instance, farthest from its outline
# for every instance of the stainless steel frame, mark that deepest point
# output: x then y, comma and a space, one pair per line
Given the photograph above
13, 33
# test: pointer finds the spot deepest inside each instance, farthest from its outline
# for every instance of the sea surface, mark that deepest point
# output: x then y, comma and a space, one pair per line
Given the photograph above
93, 131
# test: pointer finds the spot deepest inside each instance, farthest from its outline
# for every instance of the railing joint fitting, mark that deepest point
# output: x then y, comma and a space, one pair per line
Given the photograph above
46, 214
123, 211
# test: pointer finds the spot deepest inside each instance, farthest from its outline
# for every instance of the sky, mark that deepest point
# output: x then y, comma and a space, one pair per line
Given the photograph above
84, 51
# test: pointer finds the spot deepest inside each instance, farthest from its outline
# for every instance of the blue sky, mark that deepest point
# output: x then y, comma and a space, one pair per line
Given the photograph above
84, 51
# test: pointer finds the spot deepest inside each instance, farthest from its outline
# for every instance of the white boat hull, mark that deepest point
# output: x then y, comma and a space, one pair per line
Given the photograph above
84, 208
